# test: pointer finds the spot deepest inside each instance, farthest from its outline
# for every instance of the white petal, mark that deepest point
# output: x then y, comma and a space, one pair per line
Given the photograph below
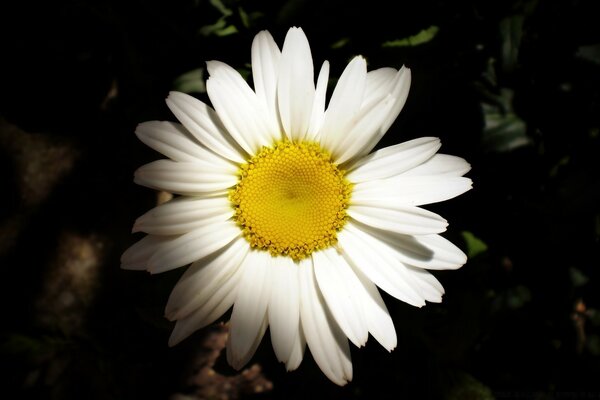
203, 278
318, 110
136, 257
345, 103
175, 142
265, 70
240, 110
202, 122
216, 305
376, 262
394, 160
441, 165
409, 190
431, 289
376, 313
297, 353
379, 83
366, 124
284, 307
325, 339
193, 246
406, 220
191, 179
423, 251
339, 285
296, 85
399, 94
249, 316
183, 214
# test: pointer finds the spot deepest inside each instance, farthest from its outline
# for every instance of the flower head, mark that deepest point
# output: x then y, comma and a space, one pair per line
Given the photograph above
286, 216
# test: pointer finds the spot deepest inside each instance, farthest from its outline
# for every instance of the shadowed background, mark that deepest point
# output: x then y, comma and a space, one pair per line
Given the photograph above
512, 86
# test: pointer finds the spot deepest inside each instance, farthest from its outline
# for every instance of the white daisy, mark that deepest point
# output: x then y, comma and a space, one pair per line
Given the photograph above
284, 214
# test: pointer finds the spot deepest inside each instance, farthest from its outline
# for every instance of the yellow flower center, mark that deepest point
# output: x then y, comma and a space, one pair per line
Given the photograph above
291, 199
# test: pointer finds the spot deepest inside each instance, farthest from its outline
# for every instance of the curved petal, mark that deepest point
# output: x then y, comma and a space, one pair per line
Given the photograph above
409, 190
216, 305
249, 316
284, 307
192, 179
397, 99
318, 110
441, 165
265, 71
431, 289
423, 251
175, 142
183, 214
338, 286
376, 314
193, 246
136, 256
376, 262
394, 160
239, 108
203, 278
328, 345
202, 122
297, 353
406, 220
379, 82
344, 105
296, 85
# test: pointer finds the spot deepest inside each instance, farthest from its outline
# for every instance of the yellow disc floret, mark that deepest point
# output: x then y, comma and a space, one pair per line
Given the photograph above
291, 199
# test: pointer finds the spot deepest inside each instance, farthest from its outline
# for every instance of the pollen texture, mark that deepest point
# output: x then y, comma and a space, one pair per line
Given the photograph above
291, 199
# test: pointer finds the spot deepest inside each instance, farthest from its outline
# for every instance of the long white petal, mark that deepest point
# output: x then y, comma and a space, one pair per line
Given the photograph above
409, 190
193, 179
399, 94
193, 246
394, 160
136, 257
344, 105
202, 122
376, 313
217, 304
379, 83
296, 85
407, 220
297, 353
339, 286
326, 341
183, 214
423, 251
203, 278
175, 142
249, 316
244, 116
376, 262
318, 110
441, 165
265, 71
284, 306
431, 289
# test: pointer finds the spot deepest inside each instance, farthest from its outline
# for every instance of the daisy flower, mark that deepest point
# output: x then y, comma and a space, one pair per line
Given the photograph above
285, 214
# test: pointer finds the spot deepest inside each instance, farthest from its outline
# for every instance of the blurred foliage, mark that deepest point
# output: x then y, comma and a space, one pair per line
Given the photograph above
512, 86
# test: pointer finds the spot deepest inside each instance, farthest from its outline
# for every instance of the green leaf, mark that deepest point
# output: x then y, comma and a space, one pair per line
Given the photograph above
589, 53
219, 28
578, 278
511, 31
218, 4
475, 245
503, 130
190, 82
340, 43
422, 37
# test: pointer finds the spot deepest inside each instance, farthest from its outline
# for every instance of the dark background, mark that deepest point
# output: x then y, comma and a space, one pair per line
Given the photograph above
512, 86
